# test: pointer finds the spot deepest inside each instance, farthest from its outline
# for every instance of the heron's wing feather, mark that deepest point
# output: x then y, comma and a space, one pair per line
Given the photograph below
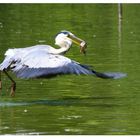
18, 54
41, 64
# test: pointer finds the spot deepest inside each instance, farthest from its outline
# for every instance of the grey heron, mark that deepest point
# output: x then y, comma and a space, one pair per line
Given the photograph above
43, 61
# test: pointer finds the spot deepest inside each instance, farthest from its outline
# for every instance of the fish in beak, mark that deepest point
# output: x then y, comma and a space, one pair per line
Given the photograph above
78, 42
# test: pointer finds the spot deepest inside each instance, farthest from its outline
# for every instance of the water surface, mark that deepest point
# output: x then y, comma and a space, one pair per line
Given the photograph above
73, 104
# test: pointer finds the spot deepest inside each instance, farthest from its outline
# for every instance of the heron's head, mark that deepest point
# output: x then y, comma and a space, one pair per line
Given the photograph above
66, 38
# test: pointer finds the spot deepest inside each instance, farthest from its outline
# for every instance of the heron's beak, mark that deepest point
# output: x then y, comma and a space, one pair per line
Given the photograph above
78, 42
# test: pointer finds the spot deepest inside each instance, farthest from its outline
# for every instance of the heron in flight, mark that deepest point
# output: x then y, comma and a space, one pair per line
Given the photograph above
42, 61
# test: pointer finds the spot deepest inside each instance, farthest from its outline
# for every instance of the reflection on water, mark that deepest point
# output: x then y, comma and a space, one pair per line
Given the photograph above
74, 104
59, 102
3, 104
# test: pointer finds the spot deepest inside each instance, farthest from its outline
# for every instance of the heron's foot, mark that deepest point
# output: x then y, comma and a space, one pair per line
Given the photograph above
13, 89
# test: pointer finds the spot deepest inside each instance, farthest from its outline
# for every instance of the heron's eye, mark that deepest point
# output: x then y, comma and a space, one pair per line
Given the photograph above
66, 33
63, 32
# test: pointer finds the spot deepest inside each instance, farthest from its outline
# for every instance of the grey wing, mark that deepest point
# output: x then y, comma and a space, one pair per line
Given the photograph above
43, 65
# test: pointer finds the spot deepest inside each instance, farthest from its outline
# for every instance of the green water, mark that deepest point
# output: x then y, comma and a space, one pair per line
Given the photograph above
74, 104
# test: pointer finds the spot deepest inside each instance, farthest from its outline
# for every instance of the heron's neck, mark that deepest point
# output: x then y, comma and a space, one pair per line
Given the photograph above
62, 50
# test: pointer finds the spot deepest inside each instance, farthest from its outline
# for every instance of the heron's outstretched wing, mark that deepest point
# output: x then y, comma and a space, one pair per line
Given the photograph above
41, 64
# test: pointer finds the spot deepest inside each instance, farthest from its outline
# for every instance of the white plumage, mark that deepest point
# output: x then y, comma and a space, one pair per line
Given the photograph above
39, 61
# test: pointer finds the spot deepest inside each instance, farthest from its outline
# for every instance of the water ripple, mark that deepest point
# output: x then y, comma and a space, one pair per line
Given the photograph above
59, 102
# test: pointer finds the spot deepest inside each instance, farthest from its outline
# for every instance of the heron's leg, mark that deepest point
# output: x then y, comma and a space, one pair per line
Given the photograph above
13, 86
